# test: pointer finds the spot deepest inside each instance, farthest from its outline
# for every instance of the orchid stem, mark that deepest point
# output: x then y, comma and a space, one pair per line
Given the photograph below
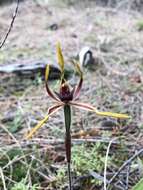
67, 114
69, 175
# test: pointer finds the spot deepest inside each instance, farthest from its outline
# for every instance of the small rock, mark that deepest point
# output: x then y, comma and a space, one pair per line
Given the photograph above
108, 124
86, 59
53, 27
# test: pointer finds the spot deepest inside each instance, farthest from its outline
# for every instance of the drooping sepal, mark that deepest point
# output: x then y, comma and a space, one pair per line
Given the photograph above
51, 111
88, 107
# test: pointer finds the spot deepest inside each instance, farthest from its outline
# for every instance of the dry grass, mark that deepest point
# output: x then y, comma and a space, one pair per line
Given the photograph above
115, 85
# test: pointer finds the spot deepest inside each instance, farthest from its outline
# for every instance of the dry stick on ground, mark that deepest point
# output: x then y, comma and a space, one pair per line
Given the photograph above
15, 141
3, 179
127, 177
125, 164
11, 25
12, 136
48, 178
106, 160
45, 142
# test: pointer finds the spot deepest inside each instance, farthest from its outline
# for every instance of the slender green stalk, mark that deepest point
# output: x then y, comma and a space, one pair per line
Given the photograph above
67, 114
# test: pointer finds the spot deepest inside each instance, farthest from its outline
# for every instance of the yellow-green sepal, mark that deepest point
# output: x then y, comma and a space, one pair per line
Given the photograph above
111, 114
47, 72
40, 124
60, 57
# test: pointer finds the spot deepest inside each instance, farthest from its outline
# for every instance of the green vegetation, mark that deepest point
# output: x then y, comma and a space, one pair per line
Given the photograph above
139, 185
140, 25
16, 124
22, 186
17, 166
87, 158
114, 85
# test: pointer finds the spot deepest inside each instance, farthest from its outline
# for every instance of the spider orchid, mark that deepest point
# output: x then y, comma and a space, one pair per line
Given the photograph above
65, 98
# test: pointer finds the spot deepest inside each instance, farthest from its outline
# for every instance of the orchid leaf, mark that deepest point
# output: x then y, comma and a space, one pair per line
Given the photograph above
67, 114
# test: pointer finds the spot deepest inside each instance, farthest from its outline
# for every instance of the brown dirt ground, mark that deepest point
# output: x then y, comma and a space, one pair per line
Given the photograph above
116, 85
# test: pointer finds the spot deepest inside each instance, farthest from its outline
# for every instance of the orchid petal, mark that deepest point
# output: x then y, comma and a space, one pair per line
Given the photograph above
50, 93
111, 114
51, 111
60, 57
84, 106
47, 72
93, 109
78, 87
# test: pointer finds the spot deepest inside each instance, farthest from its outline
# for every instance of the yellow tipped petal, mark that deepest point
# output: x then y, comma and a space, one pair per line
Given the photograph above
60, 57
93, 109
37, 127
110, 114
51, 111
47, 72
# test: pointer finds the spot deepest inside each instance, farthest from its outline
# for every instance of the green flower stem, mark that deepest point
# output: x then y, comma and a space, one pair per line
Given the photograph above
67, 114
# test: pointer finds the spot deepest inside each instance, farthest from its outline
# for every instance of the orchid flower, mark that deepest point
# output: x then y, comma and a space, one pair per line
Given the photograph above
65, 98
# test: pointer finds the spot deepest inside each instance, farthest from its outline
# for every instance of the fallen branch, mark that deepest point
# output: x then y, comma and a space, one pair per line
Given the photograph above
106, 160
44, 142
29, 68
11, 25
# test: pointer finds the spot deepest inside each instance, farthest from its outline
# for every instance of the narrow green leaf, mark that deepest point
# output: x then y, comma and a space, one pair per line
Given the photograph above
67, 114
139, 185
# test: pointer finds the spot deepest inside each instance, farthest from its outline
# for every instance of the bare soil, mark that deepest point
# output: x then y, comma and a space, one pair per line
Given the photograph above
115, 85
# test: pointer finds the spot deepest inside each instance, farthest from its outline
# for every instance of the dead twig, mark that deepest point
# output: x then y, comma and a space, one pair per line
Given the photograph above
11, 25
3, 179
61, 141
128, 162
127, 177
41, 141
106, 160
